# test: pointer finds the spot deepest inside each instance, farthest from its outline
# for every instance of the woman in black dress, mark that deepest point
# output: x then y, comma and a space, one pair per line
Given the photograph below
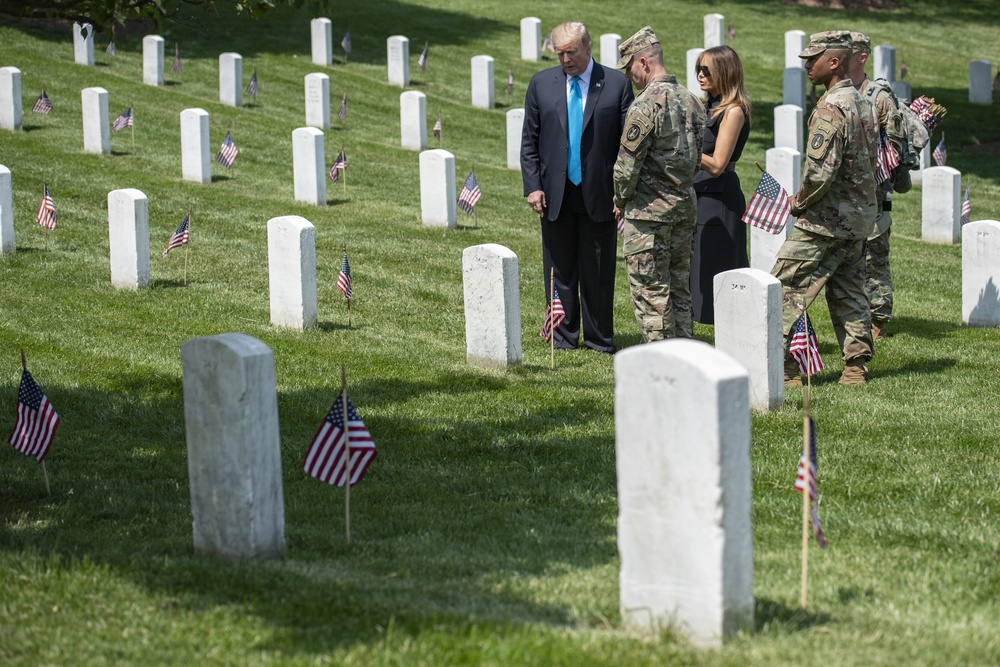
720, 239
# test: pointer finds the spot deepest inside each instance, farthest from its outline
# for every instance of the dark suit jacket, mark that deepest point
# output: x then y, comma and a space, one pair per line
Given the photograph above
544, 144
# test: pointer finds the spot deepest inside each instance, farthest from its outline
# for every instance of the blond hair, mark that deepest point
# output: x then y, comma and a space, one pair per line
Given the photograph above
726, 71
564, 33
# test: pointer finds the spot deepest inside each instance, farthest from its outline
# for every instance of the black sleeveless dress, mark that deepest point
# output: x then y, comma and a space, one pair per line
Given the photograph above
720, 238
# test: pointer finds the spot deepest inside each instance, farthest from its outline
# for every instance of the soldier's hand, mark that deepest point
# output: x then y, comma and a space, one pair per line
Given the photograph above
536, 200
619, 214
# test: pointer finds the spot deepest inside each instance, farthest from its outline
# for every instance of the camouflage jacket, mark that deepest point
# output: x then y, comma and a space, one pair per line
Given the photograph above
837, 195
660, 150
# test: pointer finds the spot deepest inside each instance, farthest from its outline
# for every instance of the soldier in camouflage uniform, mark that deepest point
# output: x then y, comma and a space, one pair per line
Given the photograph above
835, 209
659, 155
879, 282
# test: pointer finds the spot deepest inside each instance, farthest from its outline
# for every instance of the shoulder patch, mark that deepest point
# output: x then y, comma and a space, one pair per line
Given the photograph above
637, 128
821, 133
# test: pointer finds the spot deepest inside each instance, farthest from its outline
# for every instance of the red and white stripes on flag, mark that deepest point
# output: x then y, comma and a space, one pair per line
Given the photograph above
470, 194
227, 152
36, 422
124, 120
179, 237
804, 347
344, 279
769, 207
46, 215
554, 316
43, 104
887, 160
806, 476
966, 207
326, 459
339, 164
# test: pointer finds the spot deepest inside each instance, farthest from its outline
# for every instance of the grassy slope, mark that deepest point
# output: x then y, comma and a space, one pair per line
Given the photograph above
483, 535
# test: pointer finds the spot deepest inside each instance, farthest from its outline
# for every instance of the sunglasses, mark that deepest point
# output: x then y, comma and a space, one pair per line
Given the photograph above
704, 71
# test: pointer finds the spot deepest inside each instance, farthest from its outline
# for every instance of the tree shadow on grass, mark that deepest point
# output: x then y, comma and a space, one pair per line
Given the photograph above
920, 327
770, 613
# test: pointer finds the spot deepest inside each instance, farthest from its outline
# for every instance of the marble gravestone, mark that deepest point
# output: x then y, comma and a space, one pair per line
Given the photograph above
321, 41
291, 263
437, 189
11, 113
128, 233
7, 244
531, 38
980, 82
413, 120
83, 44
318, 100
398, 52
788, 126
941, 221
785, 165
515, 128
233, 446
981, 273
692, 75
231, 79
96, 130
483, 90
795, 43
715, 30
309, 165
492, 306
609, 49
152, 60
195, 152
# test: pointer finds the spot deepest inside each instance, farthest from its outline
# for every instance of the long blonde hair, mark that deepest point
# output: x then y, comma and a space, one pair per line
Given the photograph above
726, 72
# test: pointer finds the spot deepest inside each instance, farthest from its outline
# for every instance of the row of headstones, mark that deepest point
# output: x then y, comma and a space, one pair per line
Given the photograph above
682, 438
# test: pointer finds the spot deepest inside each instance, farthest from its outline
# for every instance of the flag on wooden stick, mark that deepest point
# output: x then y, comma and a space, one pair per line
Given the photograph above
179, 237
326, 458
342, 114
227, 152
940, 153
470, 194
253, 88
769, 207
177, 60
338, 164
46, 215
36, 421
436, 130
344, 279
43, 104
554, 316
345, 43
806, 482
422, 60
804, 348
124, 120
966, 207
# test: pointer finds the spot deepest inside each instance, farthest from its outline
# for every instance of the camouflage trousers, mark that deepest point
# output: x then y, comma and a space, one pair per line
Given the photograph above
809, 262
878, 285
658, 263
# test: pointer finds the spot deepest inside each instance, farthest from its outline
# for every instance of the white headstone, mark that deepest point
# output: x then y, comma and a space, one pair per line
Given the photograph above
398, 48
233, 446
96, 130
195, 151
980, 82
981, 273
682, 445
942, 205
788, 126
903, 91
291, 264
482, 82
610, 42
309, 165
785, 165
794, 87
885, 62
318, 100
531, 38
748, 329
437, 188
10, 98
83, 44
128, 232
231, 79
917, 175
692, 74
515, 126
715, 30
795, 43
152, 60
492, 306
7, 244
321, 32
413, 120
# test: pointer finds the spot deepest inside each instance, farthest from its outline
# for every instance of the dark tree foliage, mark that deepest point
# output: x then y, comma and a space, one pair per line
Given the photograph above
103, 14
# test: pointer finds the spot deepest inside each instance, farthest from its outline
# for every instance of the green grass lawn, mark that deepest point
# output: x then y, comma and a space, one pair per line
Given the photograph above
484, 533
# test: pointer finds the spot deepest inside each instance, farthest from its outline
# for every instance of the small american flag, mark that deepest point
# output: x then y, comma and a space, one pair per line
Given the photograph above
36, 420
338, 164
903, 69
253, 88
422, 60
124, 120
940, 153
345, 43
886, 159
43, 104
547, 44
177, 60
437, 129
470, 194
46, 215
621, 226
326, 459
769, 207
966, 207
804, 347
928, 111
731, 33
227, 152
806, 477
510, 81
342, 114
344, 279
111, 50
179, 237
554, 316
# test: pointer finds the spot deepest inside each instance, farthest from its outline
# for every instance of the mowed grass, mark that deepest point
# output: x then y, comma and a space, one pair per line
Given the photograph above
484, 532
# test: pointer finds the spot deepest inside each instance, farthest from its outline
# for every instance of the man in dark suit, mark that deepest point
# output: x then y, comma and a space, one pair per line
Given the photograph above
573, 120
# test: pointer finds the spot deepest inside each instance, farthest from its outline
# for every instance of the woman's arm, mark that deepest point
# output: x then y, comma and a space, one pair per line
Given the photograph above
725, 144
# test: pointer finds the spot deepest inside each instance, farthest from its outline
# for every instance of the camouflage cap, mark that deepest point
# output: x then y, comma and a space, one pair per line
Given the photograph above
861, 43
831, 39
643, 39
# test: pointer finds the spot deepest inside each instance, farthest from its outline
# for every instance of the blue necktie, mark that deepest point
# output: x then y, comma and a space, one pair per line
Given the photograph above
575, 128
